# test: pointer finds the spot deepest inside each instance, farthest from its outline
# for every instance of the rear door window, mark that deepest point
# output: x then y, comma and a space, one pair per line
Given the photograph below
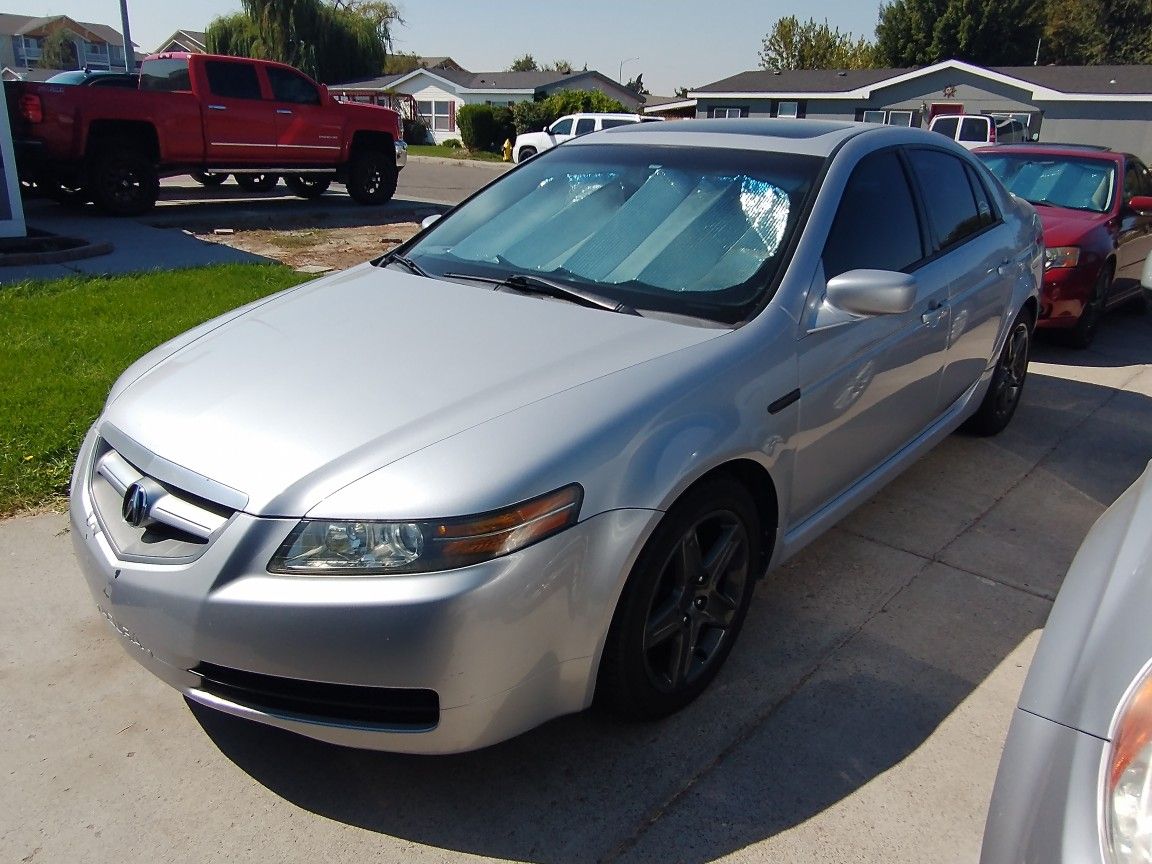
585, 125
232, 80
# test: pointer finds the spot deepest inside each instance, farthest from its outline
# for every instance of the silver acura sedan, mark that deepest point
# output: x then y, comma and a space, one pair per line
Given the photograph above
1075, 780
538, 456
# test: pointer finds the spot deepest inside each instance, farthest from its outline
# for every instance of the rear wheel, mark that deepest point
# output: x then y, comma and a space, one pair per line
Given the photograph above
526, 153
209, 178
1007, 385
307, 185
257, 182
683, 604
123, 180
372, 177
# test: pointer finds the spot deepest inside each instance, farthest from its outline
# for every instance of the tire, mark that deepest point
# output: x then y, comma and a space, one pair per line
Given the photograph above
123, 181
525, 153
69, 196
1007, 384
1082, 334
372, 177
257, 182
307, 185
683, 604
209, 178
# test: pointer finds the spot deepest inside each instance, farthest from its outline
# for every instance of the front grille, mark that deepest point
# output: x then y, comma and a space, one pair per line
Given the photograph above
393, 707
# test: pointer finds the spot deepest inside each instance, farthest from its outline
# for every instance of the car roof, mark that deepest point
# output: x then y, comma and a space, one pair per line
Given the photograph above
811, 137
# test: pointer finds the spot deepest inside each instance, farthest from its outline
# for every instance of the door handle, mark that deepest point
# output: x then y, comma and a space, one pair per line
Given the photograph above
935, 314
217, 108
1004, 267
283, 111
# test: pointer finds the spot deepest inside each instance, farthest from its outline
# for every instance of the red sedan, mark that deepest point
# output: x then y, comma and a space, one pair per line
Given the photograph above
1096, 206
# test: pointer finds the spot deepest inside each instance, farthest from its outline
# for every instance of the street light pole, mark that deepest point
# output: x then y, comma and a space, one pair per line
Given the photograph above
620, 69
129, 54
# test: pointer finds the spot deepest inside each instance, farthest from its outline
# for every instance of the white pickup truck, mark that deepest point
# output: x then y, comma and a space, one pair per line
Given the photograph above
569, 126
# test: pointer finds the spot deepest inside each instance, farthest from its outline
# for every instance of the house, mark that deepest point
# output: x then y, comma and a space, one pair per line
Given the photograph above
1107, 105
186, 41
22, 40
436, 94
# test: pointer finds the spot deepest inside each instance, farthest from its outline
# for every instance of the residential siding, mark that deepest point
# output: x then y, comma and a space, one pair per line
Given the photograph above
1125, 126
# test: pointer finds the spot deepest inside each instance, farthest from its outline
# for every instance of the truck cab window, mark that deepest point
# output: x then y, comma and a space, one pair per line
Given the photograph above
289, 87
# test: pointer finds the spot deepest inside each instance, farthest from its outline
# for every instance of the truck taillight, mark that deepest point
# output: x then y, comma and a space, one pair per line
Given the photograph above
991, 131
31, 109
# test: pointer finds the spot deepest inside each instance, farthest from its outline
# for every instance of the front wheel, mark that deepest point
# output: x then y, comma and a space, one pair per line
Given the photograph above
372, 177
1082, 334
1007, 384
683, 604
526, 153
307, 185
124, 181
257, 182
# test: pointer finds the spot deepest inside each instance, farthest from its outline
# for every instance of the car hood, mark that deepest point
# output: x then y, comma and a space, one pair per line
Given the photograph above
304, 394
1097, 638
1064, 227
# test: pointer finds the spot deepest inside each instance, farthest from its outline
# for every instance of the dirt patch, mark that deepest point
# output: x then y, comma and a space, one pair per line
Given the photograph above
315, 248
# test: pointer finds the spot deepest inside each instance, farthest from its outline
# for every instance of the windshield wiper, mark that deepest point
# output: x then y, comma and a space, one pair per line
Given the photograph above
539, 285
405, 262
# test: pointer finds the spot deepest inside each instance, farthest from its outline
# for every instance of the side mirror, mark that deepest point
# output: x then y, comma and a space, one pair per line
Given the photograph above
429, 221
872, 292
1142, 204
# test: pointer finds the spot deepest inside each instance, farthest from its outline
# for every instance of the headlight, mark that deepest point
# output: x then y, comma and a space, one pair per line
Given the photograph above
319, 547
1061, 256
1128, 778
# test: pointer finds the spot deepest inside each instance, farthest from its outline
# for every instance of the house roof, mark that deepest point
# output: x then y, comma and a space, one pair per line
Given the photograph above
1058, 83
191, 40
15, 25
526, 83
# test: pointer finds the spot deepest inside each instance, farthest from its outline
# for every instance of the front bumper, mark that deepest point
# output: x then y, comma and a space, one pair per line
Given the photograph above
1045, 803
431, 663
1064, 294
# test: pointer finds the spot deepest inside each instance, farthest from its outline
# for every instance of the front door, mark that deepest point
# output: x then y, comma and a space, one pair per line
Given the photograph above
307, 131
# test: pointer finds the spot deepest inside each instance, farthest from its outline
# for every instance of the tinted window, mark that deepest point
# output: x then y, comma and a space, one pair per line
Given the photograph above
585, 125
947, 195
232, 80
876, 226
287, 86
562, 127
974, 129
1135, 179
612, 122
168, 76
946, 126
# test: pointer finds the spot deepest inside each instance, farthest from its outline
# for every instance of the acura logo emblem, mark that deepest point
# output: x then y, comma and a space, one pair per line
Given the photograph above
136, 505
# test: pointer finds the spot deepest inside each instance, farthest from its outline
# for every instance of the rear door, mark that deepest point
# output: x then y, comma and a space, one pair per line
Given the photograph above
307, 131
239, 123
976, 250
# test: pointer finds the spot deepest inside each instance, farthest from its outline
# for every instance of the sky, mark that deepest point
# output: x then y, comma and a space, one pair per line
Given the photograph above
674, 43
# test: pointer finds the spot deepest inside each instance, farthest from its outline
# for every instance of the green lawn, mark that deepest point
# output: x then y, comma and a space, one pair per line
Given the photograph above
453, 152
63, 343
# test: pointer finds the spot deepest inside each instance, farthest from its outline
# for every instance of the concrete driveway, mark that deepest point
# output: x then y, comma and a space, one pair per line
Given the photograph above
860, 717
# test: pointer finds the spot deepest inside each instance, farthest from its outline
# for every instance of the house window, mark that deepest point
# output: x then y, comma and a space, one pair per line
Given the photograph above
788, 109
441, 113
899, 118
726, 112
874, 117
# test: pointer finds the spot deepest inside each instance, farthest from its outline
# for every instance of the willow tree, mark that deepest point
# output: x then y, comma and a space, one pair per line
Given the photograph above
331, 41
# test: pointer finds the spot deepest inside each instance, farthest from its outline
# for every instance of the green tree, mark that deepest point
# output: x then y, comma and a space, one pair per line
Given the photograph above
330, 42
1071, 33
559, 66
985, 32
527, 63
59, 51
636, 85
1126, 32
792, 44
534, 116
681, 93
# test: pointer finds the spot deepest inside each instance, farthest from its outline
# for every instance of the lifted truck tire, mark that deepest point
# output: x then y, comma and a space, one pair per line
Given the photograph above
307, 185
123, 181
372, 177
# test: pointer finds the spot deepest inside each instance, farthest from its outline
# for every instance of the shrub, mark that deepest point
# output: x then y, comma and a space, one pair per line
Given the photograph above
534, 116
477, 126
415, 132
453, 144
504, 127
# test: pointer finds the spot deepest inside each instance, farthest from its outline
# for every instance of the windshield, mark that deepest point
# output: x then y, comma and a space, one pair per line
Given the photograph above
690, 231
1061, 181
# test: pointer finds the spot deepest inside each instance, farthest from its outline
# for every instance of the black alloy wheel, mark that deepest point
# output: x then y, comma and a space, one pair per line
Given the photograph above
1082, 334
1007, 384
684, 603
124, 181
307, 185
257, 182
372, 177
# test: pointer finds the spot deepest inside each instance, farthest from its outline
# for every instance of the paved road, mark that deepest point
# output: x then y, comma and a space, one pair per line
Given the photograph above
859, 719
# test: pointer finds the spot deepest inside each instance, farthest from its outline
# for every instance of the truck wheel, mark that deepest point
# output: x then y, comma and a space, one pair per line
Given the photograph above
257, 182
124, 181
307, 185
372, 177
209, 178
525, 153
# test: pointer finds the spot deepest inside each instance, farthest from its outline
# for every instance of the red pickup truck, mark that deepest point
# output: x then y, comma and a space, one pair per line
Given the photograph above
202, 114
